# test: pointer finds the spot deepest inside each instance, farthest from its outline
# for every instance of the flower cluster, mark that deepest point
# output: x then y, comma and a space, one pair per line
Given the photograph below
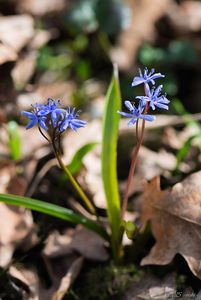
152, 99
51, 117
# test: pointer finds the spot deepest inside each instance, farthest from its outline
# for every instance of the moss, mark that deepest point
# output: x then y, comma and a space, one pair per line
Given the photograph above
104, 282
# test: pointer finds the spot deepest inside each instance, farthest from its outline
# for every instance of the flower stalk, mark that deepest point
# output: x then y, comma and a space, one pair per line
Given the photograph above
79, 190
133, 164
152, 99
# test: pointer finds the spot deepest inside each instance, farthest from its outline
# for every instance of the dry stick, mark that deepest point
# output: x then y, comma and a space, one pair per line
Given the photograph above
133, 164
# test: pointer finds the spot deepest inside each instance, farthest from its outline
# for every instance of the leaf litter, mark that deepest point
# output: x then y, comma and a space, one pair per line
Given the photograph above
175, 217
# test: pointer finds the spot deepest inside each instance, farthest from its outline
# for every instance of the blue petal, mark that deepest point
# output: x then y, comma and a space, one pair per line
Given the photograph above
31, 124
152, 105
147, 90
164, 100
157, 75
148, 118
79, 122
43, 112
132, 121
137, 80
143, 99
28, 114
158, 90
64, 125
127, 115
43, 124
160, 105
129, 106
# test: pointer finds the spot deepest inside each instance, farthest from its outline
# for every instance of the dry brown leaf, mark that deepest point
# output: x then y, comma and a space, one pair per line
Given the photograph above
7, 54
69, 242
68, 279
16, 225
40, 8
59, 89
59, 287
152, 288
89, 244
41, 38
175, 217
16, 31
58, 244
24, 68
144, 14
152, 163
186, 16
29, 278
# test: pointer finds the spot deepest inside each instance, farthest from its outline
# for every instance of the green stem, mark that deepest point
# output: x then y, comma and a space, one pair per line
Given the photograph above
74, 182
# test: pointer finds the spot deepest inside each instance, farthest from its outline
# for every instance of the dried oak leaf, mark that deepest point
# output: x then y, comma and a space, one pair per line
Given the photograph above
175, 217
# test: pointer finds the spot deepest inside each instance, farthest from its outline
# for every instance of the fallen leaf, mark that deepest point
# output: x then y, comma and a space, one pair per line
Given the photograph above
175, 217
89, 244
29, 278
68, 279
16, 31
24, 69
152, 163
185, 17
40, 8
151, 288
71, 242
58, 244
7, 54
141, 28
41, 38
16, 225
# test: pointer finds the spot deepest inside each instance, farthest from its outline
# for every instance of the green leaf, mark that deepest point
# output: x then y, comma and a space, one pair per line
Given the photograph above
76, 162
109, 158
14, 142
55, 211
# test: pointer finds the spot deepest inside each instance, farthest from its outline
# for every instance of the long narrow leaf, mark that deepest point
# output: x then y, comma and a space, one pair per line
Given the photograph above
53, 210
109, 157
76, 162
14, 142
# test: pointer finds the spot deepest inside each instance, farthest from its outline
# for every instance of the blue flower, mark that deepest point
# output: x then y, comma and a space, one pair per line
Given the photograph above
155, 98
136, 113
50, 116
71, 120
146, 77
44, 110
35, 120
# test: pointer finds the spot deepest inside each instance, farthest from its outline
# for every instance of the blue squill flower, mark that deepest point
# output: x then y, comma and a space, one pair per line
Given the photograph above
49, 116
136, 113
45, 109
155, 98
35, 120
71, 120
146, 77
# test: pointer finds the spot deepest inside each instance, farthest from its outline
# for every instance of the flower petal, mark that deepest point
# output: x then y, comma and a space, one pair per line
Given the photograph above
148, 118
130, 106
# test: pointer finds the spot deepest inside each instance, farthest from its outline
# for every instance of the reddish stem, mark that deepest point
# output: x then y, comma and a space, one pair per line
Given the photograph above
137, 130
133, 163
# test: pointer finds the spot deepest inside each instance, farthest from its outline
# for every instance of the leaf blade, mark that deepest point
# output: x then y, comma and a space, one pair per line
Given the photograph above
109, 156
53, 210
75, 165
